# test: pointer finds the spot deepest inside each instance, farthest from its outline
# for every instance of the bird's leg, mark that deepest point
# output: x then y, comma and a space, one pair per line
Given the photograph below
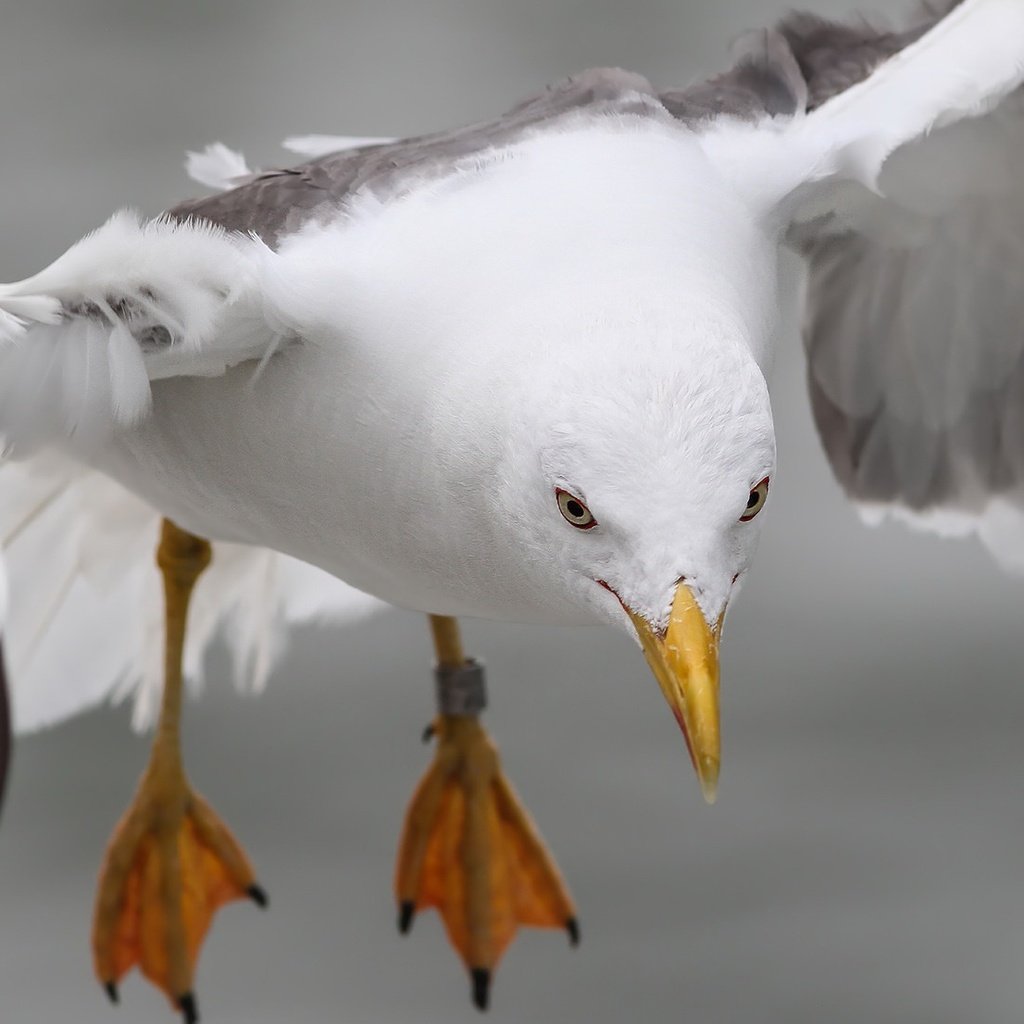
468, 846
171, 863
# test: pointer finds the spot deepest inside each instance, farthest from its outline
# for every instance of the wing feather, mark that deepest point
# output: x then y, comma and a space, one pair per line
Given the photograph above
132, 302
914, 325
85, 621
217, 167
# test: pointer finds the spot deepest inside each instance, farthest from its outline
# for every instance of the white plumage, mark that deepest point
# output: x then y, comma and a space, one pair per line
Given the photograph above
131, 302
217, 166
90, 626
391, 388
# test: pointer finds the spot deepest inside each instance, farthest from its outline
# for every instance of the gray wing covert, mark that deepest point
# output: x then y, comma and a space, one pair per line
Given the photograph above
275, 203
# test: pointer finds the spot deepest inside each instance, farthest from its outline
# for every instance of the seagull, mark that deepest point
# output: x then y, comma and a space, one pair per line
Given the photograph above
516, 371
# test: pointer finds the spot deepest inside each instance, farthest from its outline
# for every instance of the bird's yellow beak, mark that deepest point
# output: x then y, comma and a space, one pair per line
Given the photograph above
684, 660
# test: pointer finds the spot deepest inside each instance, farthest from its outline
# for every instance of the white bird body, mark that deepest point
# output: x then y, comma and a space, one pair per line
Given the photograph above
639, 262
429, 338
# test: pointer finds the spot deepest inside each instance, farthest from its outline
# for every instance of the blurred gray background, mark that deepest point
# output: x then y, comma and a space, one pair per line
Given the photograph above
866, 858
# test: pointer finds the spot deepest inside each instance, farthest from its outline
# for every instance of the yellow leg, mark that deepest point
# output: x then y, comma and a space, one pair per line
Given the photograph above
469, 847
171, 863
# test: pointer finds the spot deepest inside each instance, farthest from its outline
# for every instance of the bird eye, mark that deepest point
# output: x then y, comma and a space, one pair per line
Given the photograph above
755, 502
574, 511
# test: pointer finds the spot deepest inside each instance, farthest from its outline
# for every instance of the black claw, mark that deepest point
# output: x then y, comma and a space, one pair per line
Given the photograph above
572, 926
429, 733
111, 989
406, 912
481, 987
258, 895
189, 1009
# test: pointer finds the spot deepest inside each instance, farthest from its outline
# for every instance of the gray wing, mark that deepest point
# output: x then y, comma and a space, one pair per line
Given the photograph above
914, 321
767, 78
764, 80
275, 203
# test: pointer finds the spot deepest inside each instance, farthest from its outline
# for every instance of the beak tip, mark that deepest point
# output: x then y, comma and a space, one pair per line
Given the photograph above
684, 660
709, 782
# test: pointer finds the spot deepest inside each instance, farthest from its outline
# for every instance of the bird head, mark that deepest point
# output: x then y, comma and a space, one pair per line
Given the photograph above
640, 493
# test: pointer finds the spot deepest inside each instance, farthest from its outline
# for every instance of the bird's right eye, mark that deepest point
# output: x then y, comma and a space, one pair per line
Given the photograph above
755, 502
574, 511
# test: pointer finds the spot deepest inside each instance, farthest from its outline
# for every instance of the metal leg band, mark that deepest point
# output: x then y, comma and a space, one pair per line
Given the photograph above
461, 689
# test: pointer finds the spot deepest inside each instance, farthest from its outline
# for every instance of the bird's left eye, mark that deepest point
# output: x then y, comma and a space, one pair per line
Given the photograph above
755, 502
574, 511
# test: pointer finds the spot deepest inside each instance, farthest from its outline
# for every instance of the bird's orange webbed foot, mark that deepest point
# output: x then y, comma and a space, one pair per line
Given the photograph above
171, 862
469, 849
170, 865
